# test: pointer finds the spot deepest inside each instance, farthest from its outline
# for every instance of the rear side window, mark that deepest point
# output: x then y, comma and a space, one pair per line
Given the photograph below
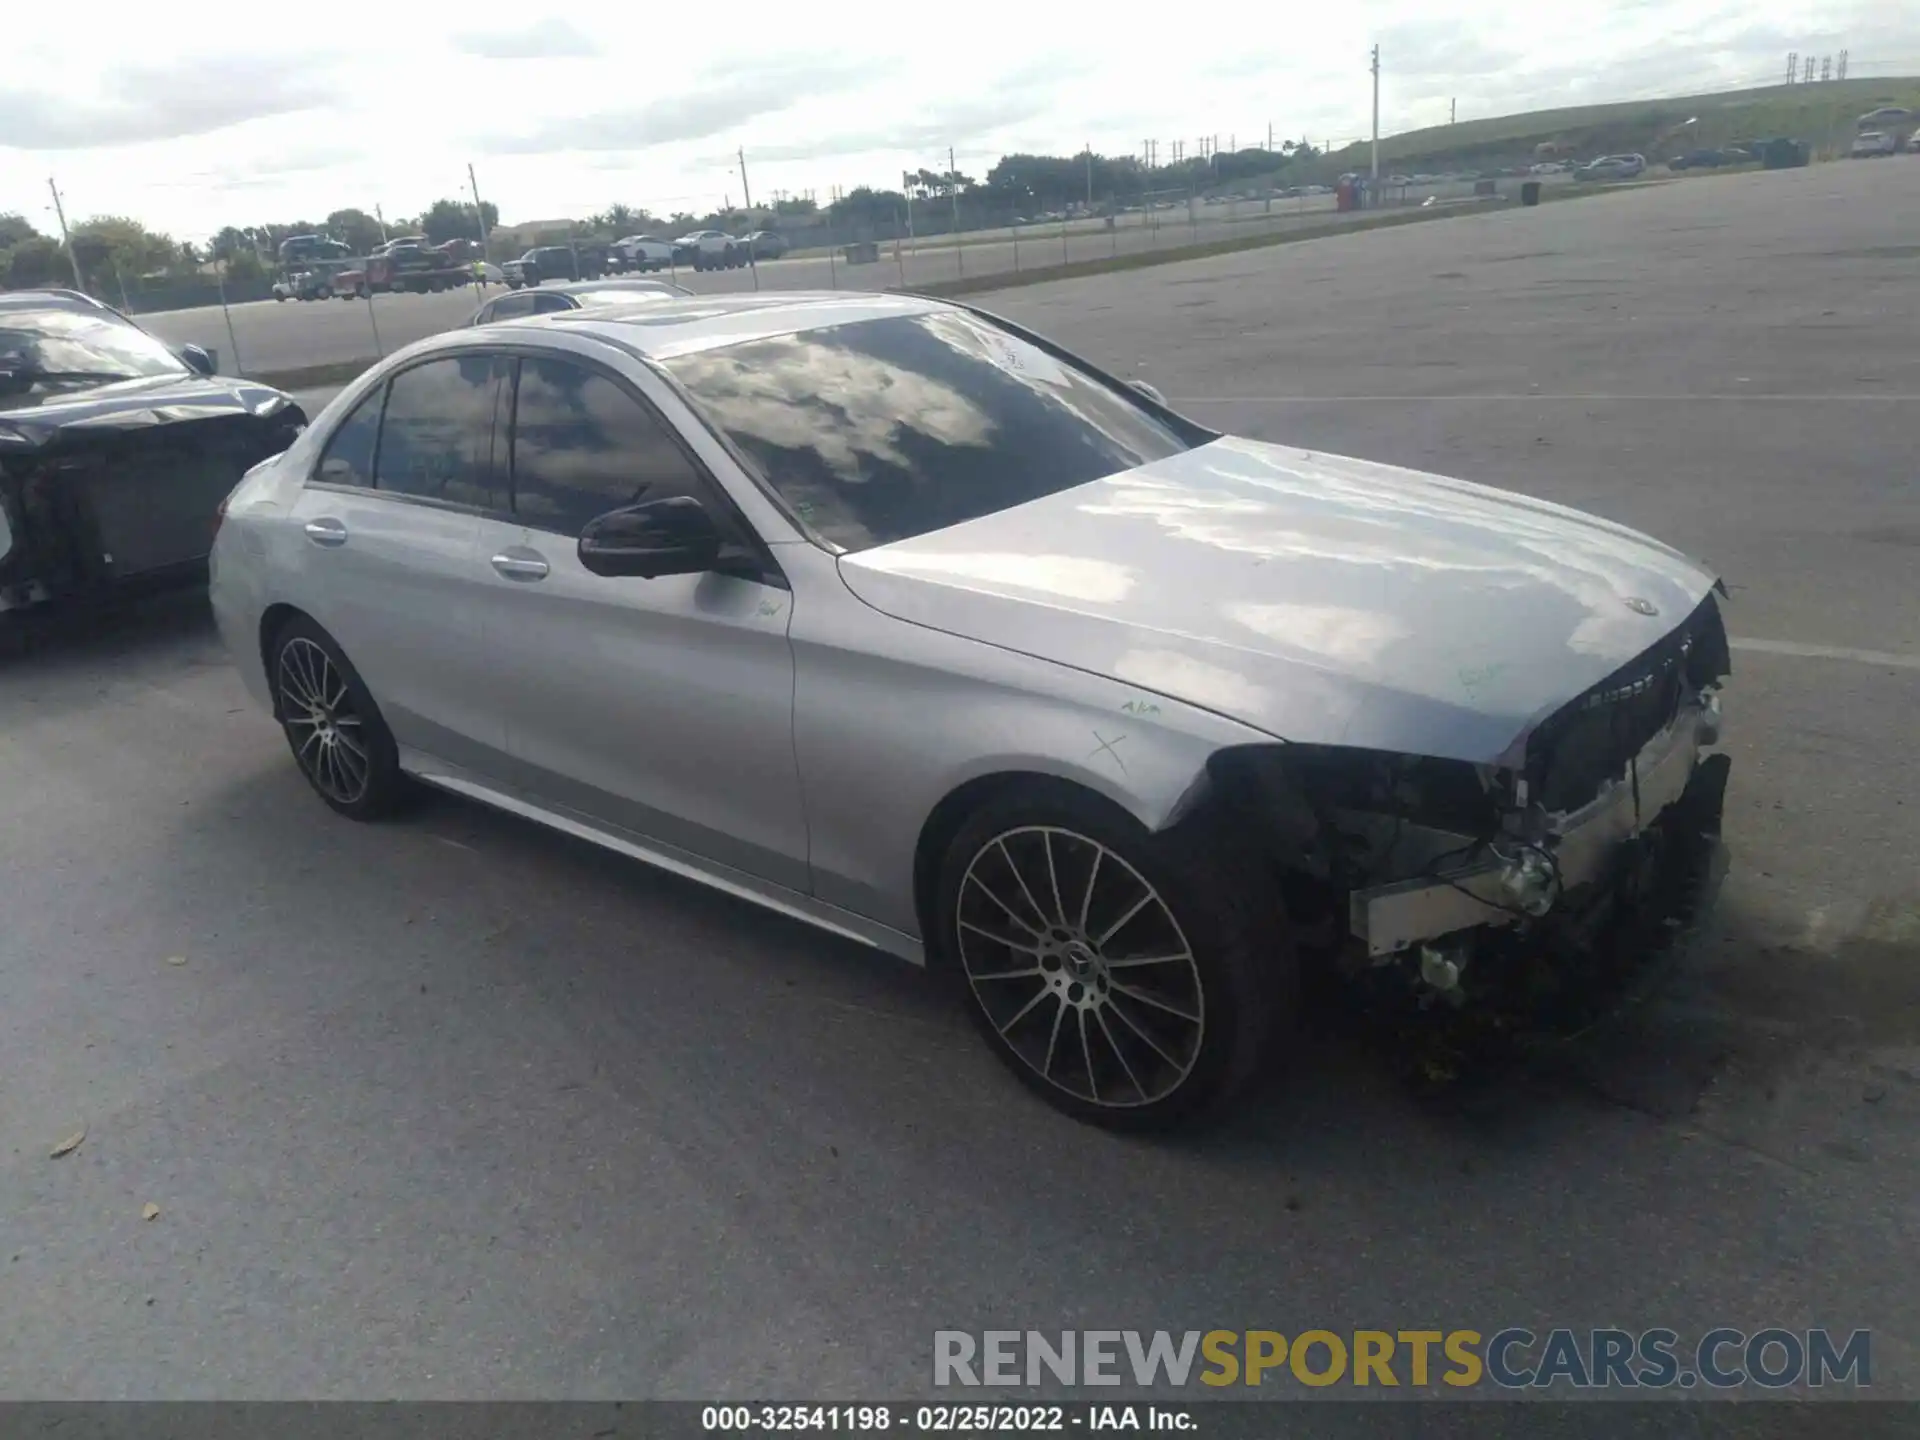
436, 441
583, 446
348, 458
547, 304
507, 307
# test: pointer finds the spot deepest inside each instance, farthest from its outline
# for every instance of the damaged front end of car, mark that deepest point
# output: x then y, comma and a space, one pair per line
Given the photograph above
1534, 889
109, 497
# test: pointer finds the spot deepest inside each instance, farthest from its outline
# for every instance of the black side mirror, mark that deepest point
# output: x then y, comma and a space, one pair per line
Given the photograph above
200, 360
671, 536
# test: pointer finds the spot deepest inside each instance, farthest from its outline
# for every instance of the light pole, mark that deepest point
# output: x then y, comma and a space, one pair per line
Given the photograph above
1376, 113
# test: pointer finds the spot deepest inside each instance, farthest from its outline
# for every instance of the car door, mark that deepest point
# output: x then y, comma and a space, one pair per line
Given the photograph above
390, 516
658, 707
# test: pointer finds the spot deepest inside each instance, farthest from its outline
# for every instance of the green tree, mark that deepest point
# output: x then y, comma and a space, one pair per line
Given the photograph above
868, 209
452, 220
36, 261
117, 245
14, 228
354, 228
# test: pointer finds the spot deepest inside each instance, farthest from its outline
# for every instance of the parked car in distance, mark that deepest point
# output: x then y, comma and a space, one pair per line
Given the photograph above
900, 620
1708, 159
1913, 143
1871, 144
709, 250
641, 252
765, 244
116, 451
1612, 167
1886, 115
554, 262
550, 300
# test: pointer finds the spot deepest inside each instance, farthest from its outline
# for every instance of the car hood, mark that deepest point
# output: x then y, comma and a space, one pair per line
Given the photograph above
1317, 598
34, 420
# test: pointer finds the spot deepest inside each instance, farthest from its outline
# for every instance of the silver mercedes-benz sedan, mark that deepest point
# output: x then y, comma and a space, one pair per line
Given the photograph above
891, 616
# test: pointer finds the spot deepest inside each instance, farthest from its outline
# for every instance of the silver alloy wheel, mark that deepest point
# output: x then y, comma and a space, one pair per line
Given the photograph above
1081, 966
317, 708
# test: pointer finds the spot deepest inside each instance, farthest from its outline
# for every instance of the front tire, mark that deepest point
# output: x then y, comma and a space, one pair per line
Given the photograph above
1133, 980
332, 725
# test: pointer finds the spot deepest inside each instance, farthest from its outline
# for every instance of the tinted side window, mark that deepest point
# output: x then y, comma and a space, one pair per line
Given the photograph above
547, 304
348, 458
507, 307
437, 439
583, 446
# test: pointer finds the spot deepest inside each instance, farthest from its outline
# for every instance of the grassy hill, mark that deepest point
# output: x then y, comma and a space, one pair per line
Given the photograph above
1822, 114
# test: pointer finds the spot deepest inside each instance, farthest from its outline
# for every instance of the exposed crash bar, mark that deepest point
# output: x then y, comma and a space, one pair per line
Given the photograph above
1391, 917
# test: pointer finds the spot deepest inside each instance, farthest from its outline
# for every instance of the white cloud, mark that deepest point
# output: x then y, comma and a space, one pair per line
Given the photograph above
542, 40
566, 113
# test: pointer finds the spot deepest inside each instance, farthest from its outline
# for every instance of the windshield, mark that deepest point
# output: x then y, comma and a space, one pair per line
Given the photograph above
57, 344
885, 429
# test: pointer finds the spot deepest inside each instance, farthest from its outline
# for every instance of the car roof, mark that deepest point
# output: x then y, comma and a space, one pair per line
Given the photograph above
55, 296
584, 287
684, 325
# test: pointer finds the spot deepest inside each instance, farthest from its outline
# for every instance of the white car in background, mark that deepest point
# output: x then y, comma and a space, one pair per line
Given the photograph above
1872, 143
709, 250
644, 252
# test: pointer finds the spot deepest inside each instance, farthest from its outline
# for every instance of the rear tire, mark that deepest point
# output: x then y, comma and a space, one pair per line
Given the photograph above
332, 725
1133, 980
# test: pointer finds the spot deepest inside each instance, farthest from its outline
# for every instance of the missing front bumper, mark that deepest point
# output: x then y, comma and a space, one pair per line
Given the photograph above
1669, 783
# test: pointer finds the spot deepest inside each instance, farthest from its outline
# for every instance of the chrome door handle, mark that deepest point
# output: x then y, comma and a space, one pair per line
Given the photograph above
520, 567
326, 532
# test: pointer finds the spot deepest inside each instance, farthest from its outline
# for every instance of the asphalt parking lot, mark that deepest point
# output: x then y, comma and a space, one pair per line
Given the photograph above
455, 1107
270, 336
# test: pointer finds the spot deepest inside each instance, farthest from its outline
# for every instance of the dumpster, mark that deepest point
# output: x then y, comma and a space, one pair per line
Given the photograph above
1782, 153
1529, 192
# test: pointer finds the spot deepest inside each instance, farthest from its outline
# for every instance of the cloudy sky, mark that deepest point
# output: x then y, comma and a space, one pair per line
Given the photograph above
189, 128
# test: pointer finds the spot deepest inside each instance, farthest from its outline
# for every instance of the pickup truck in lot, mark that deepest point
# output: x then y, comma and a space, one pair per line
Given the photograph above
556, 262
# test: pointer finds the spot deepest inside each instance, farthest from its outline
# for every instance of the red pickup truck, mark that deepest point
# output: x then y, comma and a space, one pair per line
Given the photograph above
409, 264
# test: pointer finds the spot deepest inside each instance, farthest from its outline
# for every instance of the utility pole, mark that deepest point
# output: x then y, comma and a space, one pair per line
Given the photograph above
480, 215
1841, 72
1269, 135
745, 188
1376, 112
1089, 175
1793, 66
1453, 112
953, 190
60, 214
382, 219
